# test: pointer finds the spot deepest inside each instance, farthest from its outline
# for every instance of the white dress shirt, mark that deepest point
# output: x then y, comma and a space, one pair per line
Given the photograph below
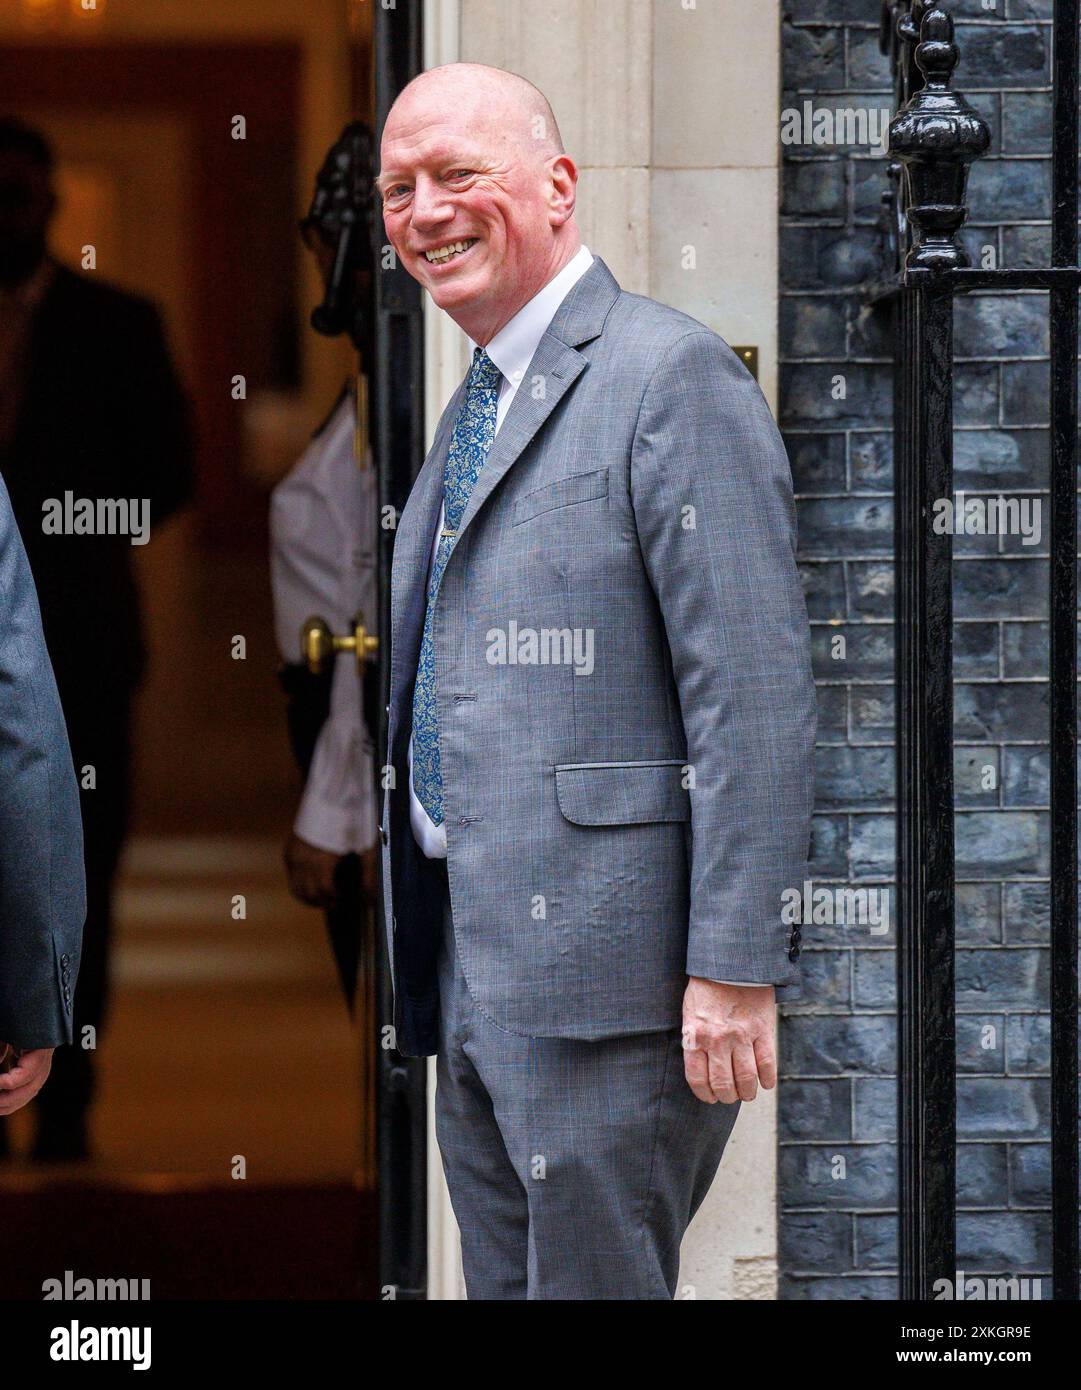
511, 350
323, 555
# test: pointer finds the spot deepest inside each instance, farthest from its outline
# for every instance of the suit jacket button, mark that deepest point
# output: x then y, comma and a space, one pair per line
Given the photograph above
383, 835
63, 960
797, 936
794, 953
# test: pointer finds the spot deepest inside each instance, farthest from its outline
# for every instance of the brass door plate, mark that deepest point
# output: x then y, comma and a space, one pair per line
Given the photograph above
749, 357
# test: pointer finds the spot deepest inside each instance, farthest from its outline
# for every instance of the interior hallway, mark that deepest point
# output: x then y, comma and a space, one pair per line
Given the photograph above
228, 1037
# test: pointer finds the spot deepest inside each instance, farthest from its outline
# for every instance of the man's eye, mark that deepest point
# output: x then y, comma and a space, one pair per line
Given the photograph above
459, 173
398, 188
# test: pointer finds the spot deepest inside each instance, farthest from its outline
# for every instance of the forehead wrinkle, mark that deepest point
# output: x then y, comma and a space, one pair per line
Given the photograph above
438, 147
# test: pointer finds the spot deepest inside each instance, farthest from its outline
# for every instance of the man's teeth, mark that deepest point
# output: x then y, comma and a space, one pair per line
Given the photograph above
444, 253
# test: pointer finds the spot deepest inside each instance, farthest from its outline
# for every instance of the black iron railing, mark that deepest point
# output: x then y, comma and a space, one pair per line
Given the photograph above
934, 137
398, 447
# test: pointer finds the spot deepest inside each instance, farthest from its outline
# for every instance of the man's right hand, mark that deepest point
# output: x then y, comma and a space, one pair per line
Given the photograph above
311, 872
25, 1079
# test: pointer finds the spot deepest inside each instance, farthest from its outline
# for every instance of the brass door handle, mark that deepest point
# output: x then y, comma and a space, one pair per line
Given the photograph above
318, 644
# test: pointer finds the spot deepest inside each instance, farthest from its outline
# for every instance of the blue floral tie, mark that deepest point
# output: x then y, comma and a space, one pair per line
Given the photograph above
469, 445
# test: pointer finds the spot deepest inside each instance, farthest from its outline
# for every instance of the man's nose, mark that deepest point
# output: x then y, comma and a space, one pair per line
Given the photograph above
431, 204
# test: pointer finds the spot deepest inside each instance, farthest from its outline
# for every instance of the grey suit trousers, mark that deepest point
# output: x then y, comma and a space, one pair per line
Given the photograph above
574, 1167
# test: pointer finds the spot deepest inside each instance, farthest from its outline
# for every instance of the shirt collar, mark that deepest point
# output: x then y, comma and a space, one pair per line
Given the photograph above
513, 346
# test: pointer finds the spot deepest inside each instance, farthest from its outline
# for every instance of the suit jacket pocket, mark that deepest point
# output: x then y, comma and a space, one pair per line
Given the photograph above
634, 793
577, 487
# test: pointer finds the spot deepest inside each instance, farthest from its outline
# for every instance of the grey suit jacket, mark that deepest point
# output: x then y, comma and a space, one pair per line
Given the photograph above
624, 690
42, 884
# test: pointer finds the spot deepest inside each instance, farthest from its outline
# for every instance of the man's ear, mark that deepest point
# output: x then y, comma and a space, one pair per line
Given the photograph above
563, 191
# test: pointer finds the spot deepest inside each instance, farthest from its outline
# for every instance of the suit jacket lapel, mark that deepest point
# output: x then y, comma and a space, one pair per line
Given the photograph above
412, 548
556, 365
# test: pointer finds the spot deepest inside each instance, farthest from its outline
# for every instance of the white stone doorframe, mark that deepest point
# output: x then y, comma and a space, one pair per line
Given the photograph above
679, 193
445, 363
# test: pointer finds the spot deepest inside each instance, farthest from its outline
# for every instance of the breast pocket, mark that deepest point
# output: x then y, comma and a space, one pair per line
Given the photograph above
566, 492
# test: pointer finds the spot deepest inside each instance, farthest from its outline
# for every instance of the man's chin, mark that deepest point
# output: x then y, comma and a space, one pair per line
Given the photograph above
451, 290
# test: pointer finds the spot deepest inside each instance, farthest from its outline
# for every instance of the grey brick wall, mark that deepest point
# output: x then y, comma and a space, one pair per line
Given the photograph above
837, 1100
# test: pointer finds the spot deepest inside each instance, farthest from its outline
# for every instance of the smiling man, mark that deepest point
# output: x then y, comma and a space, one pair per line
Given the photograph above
583, 863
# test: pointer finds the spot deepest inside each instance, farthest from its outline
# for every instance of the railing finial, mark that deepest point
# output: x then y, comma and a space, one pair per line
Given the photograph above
935, 136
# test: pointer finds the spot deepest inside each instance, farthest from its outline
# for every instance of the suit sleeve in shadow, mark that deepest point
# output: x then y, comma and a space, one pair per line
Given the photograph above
42, 880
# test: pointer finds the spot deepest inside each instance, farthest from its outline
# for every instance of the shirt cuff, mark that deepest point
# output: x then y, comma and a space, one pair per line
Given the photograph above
333, 829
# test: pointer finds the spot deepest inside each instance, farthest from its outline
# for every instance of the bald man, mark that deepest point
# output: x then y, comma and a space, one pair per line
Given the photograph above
601, 721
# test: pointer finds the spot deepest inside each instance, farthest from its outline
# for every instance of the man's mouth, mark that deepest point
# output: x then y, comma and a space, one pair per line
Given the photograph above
453, 249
